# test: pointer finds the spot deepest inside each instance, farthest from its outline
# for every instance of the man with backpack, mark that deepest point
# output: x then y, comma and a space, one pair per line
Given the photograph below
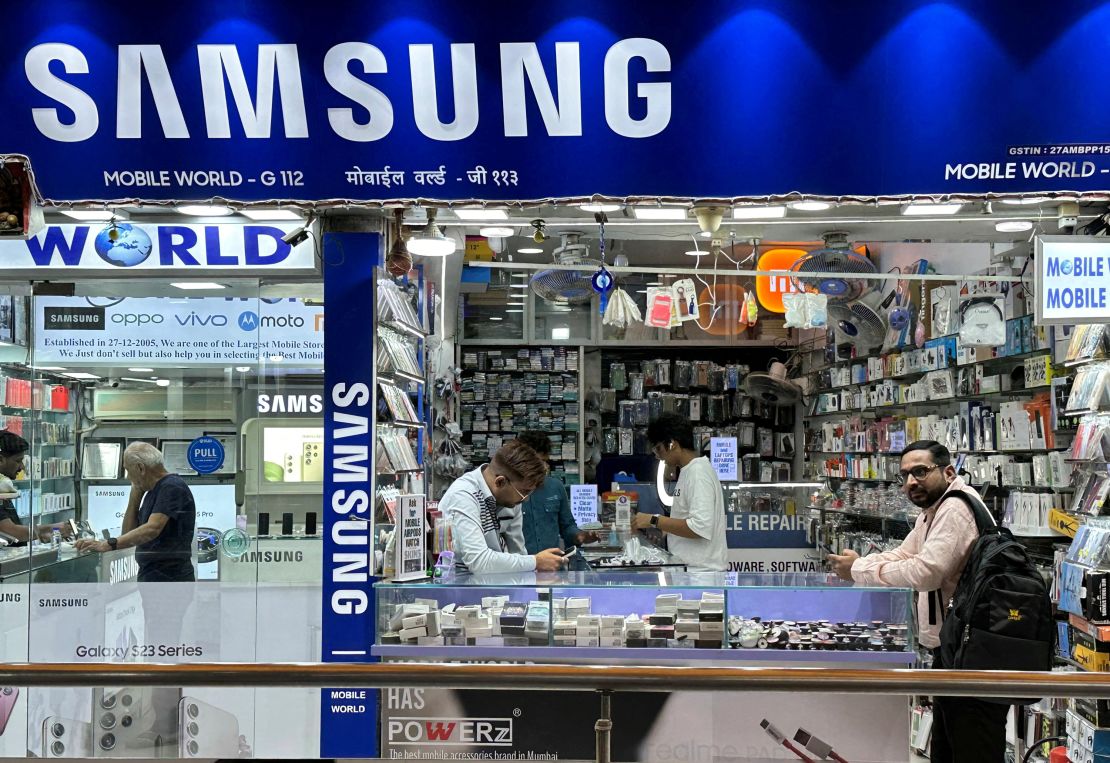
931, 561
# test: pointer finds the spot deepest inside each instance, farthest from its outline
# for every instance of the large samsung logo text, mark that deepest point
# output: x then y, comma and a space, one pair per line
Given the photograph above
61, 72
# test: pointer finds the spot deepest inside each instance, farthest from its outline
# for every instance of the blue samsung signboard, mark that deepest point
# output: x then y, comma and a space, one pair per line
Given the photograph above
504, 100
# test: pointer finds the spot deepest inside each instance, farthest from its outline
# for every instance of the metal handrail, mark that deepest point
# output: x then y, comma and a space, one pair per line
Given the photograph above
567, 677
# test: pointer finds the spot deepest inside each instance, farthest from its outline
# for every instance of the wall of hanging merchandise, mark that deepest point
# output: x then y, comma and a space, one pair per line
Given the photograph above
704, 386
504, 392
401, 393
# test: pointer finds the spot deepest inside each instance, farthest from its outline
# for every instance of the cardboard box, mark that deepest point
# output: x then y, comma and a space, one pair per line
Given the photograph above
412, 634
414, 621
589, 621
611, 641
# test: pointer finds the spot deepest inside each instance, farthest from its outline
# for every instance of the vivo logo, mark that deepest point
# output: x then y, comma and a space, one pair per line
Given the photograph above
359, 110
192, 319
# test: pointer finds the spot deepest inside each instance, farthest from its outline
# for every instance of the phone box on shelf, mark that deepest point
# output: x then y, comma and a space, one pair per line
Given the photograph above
1096, 711
1089, 737
1089, 652
1085, 592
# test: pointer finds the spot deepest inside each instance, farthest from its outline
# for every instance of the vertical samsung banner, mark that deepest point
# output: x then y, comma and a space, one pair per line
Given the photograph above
348, 718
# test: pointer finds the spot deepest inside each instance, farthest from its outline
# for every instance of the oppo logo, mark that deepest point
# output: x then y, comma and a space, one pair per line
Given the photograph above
192, 319
137, 319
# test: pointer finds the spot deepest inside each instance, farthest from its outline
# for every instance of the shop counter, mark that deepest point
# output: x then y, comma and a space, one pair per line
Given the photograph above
619, 616
643, 618
41, 563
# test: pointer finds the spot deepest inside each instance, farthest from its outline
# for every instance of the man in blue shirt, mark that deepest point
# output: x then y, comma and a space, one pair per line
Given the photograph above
547, 515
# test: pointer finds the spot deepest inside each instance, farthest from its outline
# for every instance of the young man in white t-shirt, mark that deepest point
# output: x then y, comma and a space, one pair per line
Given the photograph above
696, 527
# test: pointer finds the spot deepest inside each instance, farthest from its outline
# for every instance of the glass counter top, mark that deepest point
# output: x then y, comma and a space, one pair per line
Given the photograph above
645, 579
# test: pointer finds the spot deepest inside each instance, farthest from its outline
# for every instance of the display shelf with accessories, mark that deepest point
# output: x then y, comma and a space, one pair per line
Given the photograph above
505, 392
400, 392
613, 615
707, 387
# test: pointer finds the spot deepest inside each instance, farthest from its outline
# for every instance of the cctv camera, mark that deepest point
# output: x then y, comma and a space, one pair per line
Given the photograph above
296, 237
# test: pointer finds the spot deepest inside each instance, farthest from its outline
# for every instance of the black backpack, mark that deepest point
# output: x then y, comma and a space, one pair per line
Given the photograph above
1000, 617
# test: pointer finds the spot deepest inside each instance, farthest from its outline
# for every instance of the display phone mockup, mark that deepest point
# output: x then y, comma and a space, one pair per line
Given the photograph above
206, 731
287, 523
310, 523
8, 697
123, 723
66, 738
312, 461
263, 523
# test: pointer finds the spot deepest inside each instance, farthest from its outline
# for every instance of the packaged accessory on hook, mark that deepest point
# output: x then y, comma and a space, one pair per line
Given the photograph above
982, 323
805, 310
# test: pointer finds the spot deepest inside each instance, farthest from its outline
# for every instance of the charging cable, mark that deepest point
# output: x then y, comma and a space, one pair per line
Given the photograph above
822, 750
779, 737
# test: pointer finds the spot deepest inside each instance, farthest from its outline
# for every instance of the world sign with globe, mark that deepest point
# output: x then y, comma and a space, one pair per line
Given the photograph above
123, 245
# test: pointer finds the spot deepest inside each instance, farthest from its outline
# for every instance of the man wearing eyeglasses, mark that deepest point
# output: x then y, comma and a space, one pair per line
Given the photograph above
930, 561
483, 507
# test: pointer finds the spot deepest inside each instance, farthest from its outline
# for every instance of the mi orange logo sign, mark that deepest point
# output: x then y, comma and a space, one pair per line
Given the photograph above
1015, 615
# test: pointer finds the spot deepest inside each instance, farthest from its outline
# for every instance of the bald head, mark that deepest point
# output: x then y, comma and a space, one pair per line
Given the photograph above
144, 464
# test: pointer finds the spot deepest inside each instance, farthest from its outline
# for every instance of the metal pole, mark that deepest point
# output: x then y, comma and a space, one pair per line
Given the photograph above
604, 727
652, 678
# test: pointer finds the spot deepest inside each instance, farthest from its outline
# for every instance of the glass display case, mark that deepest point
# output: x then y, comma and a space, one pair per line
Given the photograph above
646, 615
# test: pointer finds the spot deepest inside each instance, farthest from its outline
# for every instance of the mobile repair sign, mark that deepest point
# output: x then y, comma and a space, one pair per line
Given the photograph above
1072, 279
348, 718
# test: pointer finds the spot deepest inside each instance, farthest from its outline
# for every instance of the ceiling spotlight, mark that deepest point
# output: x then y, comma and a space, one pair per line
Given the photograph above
431, 242
90, 215
398, 261
205, 210
271, 214
496, 231
541, 231
197, 285
659, 213
706, 234
1026, 200
242, 369
810, 206
162, 382
709, 218
478, 215
931, 209
758, 213
599, 207
1013, 226
530, 250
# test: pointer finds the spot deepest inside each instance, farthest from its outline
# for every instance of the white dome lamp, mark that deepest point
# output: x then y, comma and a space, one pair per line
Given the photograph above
431, 242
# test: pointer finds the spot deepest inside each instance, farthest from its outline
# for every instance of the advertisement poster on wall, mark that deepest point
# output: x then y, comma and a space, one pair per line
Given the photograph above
202, 331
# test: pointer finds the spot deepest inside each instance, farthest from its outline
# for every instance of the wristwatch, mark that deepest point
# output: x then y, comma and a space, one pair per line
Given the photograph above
114, 543
654, 520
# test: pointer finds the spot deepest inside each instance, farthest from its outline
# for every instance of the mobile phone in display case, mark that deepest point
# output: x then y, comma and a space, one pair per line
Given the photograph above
206, 731
8, 697
66, 738
312, 461
123, 724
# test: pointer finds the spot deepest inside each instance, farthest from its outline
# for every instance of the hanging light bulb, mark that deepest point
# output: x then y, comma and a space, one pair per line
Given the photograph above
540, 235
398, 262
431, 242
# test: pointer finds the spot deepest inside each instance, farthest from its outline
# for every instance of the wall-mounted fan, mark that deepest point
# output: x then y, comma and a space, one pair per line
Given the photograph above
831, 270
860, 322
773, 387
568, 286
